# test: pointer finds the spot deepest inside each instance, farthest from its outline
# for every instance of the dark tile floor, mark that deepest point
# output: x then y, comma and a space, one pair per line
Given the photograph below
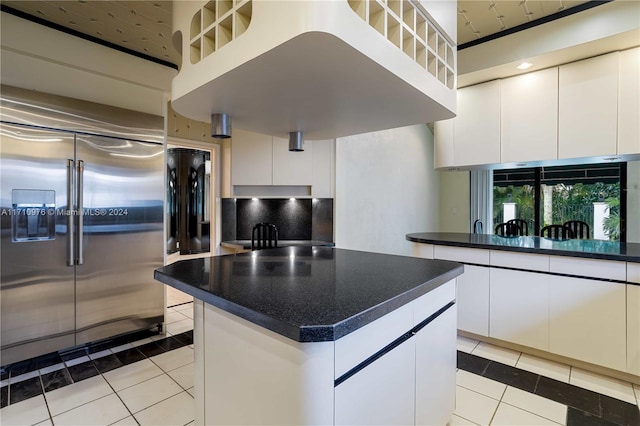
71, 372
585, 407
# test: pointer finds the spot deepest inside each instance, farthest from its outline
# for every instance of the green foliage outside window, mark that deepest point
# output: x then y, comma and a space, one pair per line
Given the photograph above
570, 202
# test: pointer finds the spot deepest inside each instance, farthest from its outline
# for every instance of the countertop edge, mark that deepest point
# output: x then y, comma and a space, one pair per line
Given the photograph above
313, 333
555, 252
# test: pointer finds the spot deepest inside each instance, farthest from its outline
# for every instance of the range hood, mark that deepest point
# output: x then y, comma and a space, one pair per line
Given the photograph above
327, 68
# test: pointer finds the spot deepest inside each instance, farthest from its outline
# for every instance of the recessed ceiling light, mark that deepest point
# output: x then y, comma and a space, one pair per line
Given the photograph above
524, 65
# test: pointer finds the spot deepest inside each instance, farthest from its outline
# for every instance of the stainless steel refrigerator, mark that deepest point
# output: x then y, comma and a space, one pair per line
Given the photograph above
81, 222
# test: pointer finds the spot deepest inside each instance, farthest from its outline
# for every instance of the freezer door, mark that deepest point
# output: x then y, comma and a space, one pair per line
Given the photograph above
36, 283
121, 193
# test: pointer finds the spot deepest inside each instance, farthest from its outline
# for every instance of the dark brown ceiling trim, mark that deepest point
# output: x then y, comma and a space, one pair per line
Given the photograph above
567, 12
72, 32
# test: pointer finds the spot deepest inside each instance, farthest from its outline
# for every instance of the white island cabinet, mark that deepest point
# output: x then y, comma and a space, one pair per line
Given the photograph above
321, 336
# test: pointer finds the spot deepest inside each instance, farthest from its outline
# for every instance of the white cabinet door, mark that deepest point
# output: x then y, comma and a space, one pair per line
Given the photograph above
436, 370
251, 158
519, 307
587, 321
529, 117
292, 168
633, 329
477, 126
588, 107
473, 300
381, 393
629, 102
443, 137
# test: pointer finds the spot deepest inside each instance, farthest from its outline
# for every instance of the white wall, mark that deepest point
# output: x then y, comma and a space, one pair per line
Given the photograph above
385, 188
454, 202
39, 58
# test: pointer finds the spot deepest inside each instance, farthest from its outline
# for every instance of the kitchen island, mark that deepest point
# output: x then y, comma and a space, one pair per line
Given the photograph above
573, 301
317, 335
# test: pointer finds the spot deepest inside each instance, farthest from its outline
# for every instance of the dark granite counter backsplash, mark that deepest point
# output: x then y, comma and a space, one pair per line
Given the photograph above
297, 219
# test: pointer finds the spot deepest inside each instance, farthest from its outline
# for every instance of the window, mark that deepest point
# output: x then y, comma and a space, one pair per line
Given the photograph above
591, 193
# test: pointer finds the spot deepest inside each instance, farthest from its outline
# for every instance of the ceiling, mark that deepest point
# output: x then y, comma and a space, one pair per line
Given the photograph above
145, 26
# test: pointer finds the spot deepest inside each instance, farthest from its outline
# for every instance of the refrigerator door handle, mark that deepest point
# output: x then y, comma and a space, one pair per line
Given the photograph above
80, 259
70, 214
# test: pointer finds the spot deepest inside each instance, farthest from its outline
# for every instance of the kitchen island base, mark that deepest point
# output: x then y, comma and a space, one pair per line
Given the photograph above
398, 369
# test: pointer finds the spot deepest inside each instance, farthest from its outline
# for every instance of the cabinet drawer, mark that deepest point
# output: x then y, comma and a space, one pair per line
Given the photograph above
427, 305
588, 267
461, 254
531, 262
356, 347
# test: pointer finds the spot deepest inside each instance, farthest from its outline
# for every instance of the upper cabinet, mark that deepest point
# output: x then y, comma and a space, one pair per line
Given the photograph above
292, 168
477, 126
251, 158
529, 117
629, 102
585, 109
263, 166
588, 107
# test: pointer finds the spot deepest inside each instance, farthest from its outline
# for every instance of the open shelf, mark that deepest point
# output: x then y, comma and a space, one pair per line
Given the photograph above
408, 42
393, 31
394, 6
224, 6
213, 26
209, 42
421, 54
432, 38
225, 31
408, 15
243, 18
209, 14
421, 27
442, 72
359, 7
376, 16
196, 25
432, 63
411, 31
195, 51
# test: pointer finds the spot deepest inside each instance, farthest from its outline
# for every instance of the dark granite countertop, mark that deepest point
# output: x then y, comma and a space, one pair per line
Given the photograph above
308, 294
594, 249
246, 244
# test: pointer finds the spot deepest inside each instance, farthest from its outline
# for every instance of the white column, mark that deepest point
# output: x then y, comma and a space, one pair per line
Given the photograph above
508, 211
548, 204
600, 213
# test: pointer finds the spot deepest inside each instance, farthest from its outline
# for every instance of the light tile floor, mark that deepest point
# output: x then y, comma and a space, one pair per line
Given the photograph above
159, 390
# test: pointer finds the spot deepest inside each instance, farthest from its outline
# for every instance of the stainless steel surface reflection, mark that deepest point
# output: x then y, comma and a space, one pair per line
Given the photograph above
81, 223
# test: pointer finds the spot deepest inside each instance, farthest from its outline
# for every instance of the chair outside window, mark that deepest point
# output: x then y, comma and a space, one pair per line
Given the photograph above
508, 230
579, 229
477, 227
522, 224
264, 235
556, 232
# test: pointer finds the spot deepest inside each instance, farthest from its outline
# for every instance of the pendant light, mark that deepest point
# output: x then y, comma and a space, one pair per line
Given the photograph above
221, 126
296, 142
